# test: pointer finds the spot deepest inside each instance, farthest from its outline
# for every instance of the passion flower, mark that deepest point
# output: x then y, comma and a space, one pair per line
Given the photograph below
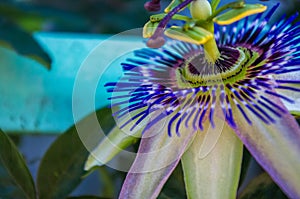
245, 87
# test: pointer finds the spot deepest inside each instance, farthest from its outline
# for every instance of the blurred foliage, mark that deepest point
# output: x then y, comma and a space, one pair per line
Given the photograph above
96, 16
245, 165
62, 167
87, 197
15, 38
60, 171
16, 181
174, 187
19, 18
90, 16
262, 187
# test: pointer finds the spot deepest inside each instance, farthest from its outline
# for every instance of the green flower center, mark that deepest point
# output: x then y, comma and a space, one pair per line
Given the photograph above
231, 67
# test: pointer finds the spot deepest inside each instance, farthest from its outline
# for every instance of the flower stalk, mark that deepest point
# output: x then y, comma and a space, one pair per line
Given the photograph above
201, 10
211, 50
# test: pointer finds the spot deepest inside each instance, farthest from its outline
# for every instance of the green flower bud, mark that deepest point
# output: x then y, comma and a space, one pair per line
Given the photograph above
200, 9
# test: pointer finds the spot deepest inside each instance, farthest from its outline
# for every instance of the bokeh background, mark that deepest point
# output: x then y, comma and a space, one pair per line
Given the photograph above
90, 16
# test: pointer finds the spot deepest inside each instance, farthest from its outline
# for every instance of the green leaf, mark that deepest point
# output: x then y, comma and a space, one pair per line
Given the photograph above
13, 37
214, 5
236, 14
174, 187
61, 168
108, 187
105, 119
245, 165
32, 17
16, 180
29, 21
262, 187
87, 197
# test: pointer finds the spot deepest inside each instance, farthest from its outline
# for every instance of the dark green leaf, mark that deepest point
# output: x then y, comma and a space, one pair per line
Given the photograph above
32, 17
262, 187
105, 119
16, 181
87, 197
107, 182
174, 187
214, 5
13, 37
245, 165
61, 169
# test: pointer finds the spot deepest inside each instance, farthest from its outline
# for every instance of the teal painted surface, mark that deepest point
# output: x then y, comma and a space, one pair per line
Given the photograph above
35, 100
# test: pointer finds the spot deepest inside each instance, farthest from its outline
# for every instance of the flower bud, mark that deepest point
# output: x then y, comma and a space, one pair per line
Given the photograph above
200, 9
152, 6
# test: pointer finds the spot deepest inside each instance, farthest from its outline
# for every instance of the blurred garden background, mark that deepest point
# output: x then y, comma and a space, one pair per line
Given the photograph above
88, 16
42, 46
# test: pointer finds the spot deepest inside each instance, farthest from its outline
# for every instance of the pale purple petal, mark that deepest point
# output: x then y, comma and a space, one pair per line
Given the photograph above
276, 147
294, 82
157, 157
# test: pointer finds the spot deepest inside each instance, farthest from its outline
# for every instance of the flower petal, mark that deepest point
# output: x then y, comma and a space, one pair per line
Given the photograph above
217, 174
157, 157
276, 147
293, 77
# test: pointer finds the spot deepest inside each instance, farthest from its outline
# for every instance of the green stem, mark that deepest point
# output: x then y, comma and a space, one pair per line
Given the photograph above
159, 17
211, 50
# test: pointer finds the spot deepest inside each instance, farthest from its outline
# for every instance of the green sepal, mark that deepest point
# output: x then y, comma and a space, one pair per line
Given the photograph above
236, 14
149, 29
157, 17
116, 141
16, 180
195, 35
